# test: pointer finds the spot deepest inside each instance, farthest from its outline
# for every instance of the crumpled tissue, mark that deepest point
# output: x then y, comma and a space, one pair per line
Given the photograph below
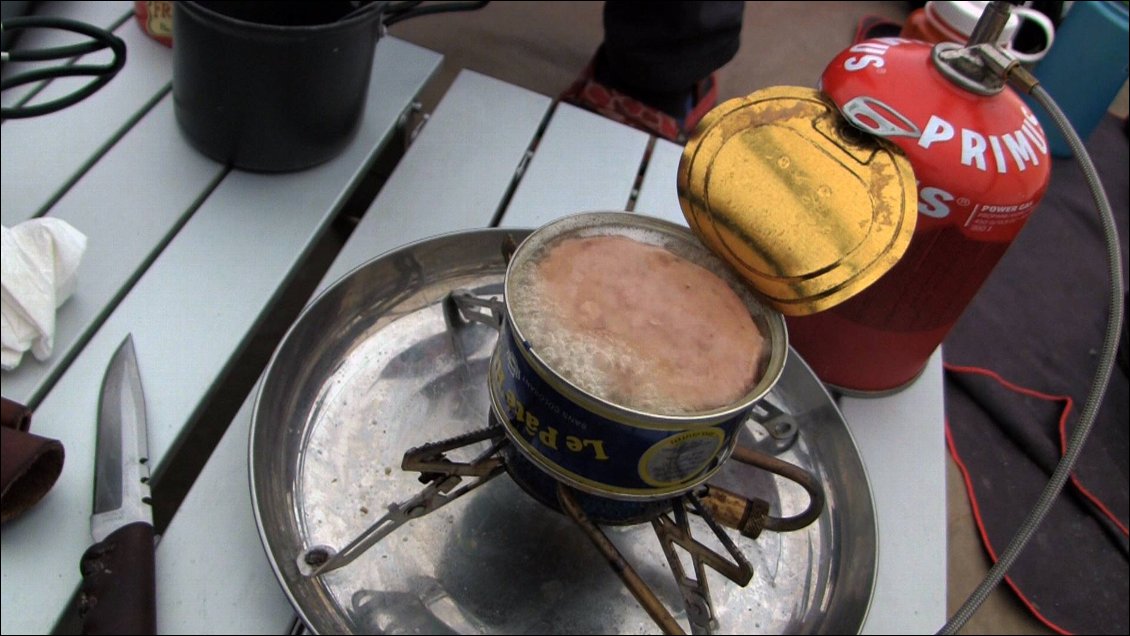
38, 272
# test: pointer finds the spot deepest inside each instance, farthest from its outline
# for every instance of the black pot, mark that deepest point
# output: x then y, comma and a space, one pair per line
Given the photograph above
272, 86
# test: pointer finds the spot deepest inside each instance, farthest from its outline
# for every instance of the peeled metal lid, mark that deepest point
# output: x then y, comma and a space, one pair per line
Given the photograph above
808, 210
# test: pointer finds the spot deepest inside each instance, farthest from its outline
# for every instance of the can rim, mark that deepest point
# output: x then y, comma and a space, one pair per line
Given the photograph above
769, 321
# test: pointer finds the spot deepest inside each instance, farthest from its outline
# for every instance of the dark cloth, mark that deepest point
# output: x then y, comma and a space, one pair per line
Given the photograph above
658, 52
1039, 322
29, 465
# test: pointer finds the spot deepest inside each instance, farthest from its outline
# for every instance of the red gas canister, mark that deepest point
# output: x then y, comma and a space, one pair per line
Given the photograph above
981, 161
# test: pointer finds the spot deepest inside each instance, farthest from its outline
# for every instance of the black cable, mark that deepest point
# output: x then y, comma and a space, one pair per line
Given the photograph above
102, 73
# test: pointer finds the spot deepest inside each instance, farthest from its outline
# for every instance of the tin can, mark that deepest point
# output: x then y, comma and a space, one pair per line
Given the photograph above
593, 444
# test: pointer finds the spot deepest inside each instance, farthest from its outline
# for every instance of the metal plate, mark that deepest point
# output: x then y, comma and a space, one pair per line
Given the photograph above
370, 370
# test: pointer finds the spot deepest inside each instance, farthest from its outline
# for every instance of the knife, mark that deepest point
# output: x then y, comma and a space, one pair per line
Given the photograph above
118, 588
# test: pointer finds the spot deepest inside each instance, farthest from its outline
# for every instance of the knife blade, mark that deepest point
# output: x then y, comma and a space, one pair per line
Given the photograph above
118, 590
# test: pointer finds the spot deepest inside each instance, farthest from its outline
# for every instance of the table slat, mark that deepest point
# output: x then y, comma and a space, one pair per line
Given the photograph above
901, 439
456, 173
213, 576
126, 194
659, 195
557, 184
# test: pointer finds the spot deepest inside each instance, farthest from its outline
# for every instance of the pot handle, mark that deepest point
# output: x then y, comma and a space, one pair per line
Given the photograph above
397, 11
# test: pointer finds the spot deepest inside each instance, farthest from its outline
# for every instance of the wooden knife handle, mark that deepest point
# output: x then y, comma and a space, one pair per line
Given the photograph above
118, 588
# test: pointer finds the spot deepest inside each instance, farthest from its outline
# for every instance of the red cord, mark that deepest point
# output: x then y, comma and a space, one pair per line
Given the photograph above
1068, 404
980, 523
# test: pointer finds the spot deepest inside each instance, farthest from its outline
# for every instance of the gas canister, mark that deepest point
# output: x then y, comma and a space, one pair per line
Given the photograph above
981, 163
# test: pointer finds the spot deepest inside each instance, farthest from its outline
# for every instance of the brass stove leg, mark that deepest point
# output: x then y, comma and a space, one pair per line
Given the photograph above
695, 591
441, 475
647, 599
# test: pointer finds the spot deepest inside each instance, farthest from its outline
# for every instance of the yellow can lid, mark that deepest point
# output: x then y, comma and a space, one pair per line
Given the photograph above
807, 209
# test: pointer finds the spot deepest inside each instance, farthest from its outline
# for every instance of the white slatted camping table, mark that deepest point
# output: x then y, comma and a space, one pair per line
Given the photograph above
188, 257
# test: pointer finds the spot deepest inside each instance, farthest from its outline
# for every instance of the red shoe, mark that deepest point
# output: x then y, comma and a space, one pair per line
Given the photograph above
591, 95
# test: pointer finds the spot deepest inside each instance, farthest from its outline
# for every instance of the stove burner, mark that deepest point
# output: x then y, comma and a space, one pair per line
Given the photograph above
715, 506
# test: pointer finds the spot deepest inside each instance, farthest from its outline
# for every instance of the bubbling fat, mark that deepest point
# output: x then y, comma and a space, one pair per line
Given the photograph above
637, 325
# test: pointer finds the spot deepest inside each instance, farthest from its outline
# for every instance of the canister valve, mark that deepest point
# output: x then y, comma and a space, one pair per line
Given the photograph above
981, 66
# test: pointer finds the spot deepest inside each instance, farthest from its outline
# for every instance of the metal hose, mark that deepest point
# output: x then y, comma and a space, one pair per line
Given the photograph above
1102, 375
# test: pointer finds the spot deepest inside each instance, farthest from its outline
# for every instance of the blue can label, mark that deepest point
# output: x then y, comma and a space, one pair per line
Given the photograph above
594, 452
670, 461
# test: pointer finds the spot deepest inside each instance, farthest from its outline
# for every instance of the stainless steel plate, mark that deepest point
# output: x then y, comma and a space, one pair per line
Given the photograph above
370, 370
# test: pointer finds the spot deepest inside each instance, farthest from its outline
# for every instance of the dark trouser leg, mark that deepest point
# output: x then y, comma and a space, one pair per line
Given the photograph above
658, 51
